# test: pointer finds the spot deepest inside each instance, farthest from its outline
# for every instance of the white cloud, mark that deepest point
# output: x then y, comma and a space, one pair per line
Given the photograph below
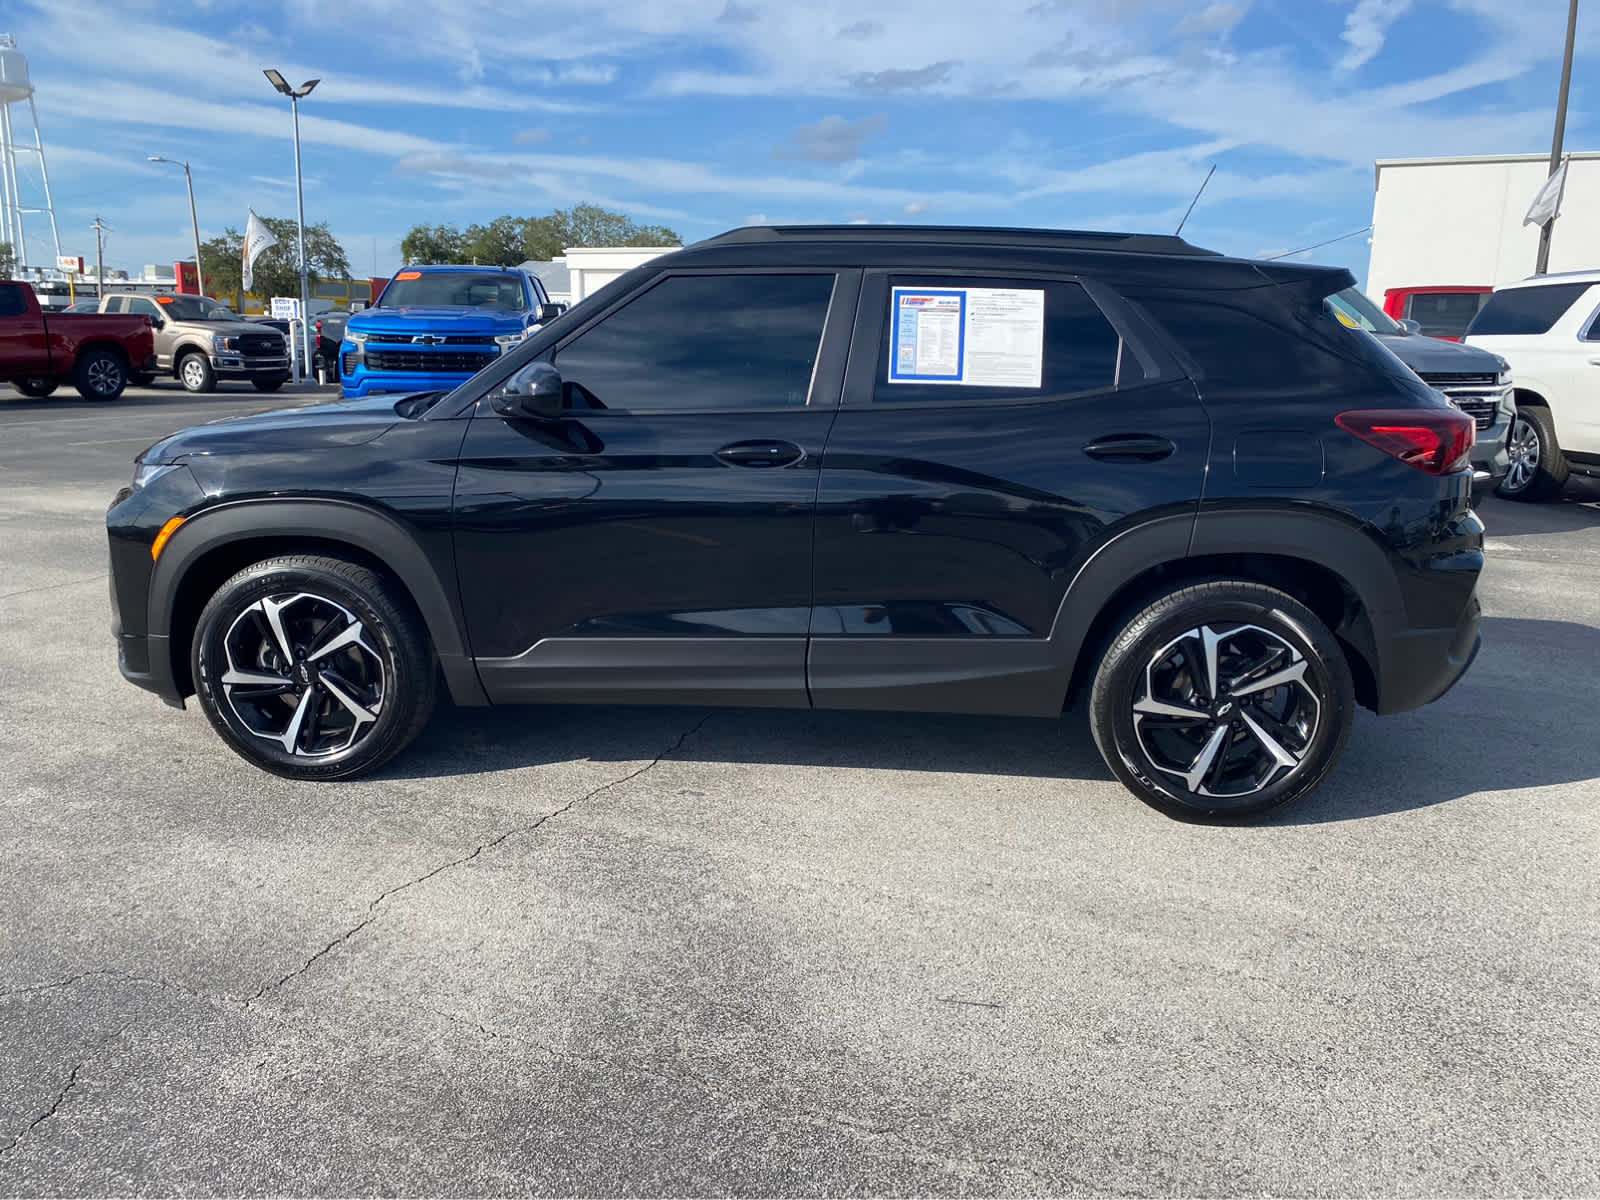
1366, 28
915, 208
830, 140
1215, 18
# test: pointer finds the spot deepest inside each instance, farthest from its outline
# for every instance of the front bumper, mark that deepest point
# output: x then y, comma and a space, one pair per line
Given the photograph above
368, 383
242, 366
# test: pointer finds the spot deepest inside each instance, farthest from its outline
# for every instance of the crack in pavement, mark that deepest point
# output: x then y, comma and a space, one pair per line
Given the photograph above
492, 843
61, 1096
165, 985
47, 587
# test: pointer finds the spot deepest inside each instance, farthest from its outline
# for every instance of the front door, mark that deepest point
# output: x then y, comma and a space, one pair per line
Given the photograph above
654, 543
994, 433
144, 306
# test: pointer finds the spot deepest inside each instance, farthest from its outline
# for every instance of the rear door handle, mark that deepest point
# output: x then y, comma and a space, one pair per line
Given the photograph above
761, 454
1131, 447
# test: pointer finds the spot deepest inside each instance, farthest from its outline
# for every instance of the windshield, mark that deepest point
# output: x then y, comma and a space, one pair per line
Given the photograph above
459, 289
195, 308
1356, 311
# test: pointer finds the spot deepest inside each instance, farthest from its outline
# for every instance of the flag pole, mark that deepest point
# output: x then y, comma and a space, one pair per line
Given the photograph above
1543, 263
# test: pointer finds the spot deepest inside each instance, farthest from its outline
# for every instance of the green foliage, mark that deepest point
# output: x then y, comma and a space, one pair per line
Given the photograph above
507, 241
277, 271
8, 260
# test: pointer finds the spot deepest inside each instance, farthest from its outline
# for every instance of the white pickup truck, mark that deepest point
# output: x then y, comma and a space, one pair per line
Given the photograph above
1548, 329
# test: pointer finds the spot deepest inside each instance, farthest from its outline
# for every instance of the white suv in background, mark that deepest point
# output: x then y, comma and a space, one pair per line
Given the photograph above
1548, 329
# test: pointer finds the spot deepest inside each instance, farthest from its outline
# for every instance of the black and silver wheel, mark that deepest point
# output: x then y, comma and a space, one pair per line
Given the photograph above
36, 386
101, 374
195, 373
1222, 701
313, 668
1538, 470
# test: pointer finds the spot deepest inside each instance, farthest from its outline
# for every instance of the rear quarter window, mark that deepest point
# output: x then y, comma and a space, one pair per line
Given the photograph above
1526, 311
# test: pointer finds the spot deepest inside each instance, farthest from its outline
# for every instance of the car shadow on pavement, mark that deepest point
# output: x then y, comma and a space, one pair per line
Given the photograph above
1496, 731
1578, 508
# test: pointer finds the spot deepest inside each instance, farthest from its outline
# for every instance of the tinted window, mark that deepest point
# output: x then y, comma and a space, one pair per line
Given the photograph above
145, 308
1356, 311
703, 341
1526, 310
1444, 314
457, 289
11, 302
186, 308
1080, 347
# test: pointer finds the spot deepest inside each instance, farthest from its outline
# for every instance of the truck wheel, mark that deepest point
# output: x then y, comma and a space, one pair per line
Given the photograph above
101, 374
1222, 701
38, 388
195, 373
267, 383
1538, 469
313, 668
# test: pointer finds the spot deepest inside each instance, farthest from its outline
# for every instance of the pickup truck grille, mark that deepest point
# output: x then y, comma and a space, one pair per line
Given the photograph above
1476, 394
425, 361
261, 344
407, 339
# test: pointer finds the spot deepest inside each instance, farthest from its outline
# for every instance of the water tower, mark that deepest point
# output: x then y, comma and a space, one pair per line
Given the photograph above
18, 197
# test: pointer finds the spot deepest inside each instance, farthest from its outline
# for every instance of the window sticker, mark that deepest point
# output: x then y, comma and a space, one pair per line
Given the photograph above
979, 337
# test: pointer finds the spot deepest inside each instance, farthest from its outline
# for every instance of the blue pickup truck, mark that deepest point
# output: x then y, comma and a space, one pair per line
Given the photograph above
435, 327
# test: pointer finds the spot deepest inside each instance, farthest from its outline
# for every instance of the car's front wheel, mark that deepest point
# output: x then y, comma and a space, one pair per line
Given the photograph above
1222, 701
37, 386
195, 373
313, 668
1538, 470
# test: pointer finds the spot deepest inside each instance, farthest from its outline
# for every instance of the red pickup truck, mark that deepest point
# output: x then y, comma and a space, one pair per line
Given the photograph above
97, 352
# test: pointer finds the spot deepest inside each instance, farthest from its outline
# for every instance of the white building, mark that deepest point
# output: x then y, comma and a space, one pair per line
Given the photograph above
592, 267
1458, 221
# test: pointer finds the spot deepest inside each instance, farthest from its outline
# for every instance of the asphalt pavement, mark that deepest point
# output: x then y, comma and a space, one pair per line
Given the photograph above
624, 951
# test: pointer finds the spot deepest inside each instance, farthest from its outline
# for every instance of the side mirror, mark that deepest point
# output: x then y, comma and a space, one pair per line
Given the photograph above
548, 312
1411, 327
535, 391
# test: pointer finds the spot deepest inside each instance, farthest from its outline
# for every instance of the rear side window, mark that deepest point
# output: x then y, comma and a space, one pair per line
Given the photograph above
1053, 332
1526, 311
11, 302
1444, 314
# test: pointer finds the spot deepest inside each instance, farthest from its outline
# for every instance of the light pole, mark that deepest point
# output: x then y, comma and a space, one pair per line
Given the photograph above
295, 96
194, 220
1543, 263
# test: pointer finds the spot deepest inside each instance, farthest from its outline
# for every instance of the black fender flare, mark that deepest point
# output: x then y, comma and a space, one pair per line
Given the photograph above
365, 529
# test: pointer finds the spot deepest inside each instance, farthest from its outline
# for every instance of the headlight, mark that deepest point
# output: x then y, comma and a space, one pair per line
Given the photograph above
507, 340
219, 343
147, 473
356, 336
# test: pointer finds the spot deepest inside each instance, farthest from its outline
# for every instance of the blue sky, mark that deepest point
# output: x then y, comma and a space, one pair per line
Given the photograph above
706, 114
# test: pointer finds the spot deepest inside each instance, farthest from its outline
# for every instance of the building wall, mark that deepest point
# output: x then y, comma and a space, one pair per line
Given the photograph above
1459, 221
594, 267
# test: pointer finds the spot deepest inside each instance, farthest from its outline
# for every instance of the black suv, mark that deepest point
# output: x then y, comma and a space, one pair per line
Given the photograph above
937, 470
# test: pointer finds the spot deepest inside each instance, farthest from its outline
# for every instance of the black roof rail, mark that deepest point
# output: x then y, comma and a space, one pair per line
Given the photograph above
959, 235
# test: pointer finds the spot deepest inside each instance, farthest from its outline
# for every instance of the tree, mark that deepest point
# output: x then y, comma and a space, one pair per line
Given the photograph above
8, 260
498, 244
433, 244
277, 269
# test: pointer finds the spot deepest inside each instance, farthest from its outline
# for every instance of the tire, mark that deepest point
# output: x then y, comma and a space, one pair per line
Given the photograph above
101, 374
38, 388
1538, 469
267, 383
1160, 660
195, 373
295, 705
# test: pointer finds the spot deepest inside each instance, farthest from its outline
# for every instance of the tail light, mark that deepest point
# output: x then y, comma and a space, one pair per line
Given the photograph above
1435, 440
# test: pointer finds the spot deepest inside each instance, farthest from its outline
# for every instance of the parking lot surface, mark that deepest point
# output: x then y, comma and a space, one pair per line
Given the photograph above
580, 951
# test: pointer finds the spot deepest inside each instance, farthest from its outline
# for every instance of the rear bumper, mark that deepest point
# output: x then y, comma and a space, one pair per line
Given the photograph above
1421, 665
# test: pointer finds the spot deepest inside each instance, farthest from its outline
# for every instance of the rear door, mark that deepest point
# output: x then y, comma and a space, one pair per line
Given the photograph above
654, 543
994, 432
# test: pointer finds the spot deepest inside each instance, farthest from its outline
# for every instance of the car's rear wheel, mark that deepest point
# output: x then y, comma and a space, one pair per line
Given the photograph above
313, 668
1538, 470
1222, 701
36, 387
195, 373
101, 374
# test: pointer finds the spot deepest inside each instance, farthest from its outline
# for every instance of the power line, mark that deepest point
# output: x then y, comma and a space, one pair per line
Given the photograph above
1319, 245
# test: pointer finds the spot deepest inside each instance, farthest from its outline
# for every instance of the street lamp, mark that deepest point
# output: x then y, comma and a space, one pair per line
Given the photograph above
194, 221
295, 96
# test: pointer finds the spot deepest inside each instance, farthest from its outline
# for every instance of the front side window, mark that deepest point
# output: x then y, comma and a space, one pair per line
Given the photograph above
963, 339
454, 289
1526, 311
703, 342
143, 307
190, 308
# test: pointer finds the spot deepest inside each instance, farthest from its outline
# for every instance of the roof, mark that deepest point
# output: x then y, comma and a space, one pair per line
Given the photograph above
1589, 276
441, 267
1477, 159
960, 235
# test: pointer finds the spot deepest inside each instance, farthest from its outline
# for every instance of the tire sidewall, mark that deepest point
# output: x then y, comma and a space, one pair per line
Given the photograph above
1121, 679
1549, 475
207, 379
87, 364
208, 661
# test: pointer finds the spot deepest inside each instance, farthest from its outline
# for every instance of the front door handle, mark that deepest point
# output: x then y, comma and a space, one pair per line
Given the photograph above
1131, 447
761, 454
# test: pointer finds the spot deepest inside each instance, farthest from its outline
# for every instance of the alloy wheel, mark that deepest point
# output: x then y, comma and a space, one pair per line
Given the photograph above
1227, 710
1522, 448
105, 376
301, 672
194, 374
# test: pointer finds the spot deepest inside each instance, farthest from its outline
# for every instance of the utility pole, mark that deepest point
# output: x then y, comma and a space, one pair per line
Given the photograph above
1543, 263
99, 259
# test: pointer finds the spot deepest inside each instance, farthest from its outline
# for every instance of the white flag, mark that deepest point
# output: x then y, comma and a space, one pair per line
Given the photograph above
1547, 204
257, 238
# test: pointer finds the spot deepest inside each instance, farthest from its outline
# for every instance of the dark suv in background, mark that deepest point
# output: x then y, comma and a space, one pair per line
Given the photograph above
939, 470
